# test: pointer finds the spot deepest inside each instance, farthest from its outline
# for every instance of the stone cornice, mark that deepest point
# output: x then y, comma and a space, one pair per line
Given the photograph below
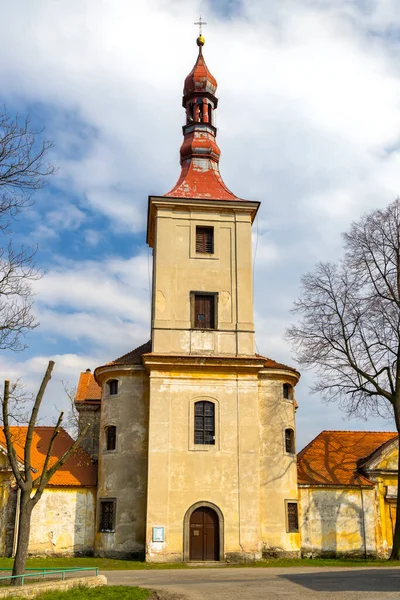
237, 206
111, 369
277, 373
210, 363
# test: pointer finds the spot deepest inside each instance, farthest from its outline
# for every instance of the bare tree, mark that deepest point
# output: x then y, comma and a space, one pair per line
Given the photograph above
349, 329
23, 170
31, 489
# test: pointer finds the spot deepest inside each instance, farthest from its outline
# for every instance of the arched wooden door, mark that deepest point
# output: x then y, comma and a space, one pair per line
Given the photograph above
204, 534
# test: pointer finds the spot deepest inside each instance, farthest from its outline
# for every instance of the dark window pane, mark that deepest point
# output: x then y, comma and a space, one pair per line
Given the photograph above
111, 437
209, 423
287, 389
199, 408
292, 515
199, 423
209, 438
198, 437
289, 440
107, 515
209, 408
113, 386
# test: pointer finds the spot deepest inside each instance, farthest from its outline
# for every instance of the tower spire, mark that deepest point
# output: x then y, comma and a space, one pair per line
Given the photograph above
200, 176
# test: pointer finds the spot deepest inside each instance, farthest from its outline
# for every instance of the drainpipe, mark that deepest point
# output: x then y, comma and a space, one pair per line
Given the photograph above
363, 524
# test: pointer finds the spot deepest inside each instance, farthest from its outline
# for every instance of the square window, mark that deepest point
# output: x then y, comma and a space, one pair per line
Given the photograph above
205, 240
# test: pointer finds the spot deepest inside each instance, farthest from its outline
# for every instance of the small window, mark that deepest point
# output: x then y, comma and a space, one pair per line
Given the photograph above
289, 441
204, 423
111, 437
205, 240
287, 391
292, 517
203, 316
107, 515
113, 387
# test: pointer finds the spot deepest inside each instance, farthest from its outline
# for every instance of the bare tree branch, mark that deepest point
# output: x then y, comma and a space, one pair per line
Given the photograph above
349, 328
23, 170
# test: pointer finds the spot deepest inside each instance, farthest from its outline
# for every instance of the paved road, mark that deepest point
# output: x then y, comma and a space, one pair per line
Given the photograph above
268, 583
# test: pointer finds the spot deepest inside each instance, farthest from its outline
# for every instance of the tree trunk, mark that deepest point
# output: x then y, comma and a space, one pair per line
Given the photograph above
25, 513
395, 555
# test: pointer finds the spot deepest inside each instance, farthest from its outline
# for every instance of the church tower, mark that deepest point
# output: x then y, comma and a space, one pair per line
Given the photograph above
201, 465
200, 233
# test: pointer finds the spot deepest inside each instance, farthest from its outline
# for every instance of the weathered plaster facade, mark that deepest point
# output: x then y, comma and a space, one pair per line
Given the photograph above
63, 522
123, 471
338, 521
348, 491
158, 474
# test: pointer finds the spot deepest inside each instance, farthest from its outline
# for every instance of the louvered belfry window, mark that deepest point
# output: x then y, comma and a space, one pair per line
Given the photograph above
205, 240
204, 423
292, 517
204, 311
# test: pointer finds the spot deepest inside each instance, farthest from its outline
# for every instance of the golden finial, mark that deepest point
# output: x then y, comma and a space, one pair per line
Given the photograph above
200, 40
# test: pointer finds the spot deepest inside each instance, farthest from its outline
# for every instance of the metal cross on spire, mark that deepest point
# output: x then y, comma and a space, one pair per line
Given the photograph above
200, 23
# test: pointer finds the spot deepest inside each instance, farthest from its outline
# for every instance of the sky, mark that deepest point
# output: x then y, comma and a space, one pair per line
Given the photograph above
308, 123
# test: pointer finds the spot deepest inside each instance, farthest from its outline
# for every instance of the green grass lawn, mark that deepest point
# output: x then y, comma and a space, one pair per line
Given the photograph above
114, 592
109, 564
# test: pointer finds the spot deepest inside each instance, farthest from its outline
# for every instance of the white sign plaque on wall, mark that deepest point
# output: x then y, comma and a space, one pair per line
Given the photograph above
158, 534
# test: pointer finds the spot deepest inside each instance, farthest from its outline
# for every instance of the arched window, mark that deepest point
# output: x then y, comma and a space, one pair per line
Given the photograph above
287, 391
289, 441
113, 387
204, 423
111, 437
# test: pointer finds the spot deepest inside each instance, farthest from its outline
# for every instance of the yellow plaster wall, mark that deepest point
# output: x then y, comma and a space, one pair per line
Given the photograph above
333, 520
181, 474
179, 270
383, 471
63, 521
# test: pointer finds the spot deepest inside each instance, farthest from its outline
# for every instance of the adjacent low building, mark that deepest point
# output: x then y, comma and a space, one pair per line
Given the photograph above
63, 520
347, 484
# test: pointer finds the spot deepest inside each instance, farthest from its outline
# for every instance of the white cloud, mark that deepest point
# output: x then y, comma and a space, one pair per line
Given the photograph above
309, 121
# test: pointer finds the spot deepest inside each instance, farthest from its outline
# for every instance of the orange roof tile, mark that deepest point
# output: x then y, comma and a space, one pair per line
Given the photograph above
79, 470
87, 388
272, 364
332, 457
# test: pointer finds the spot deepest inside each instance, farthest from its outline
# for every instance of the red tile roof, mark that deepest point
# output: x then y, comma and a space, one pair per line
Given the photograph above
79, 470
332, 457
272, 364
88, 389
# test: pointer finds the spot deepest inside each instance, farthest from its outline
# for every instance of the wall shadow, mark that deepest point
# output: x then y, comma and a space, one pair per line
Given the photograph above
357, 580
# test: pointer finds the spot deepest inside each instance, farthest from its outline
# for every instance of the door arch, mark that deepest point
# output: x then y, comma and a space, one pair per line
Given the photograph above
203, 533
